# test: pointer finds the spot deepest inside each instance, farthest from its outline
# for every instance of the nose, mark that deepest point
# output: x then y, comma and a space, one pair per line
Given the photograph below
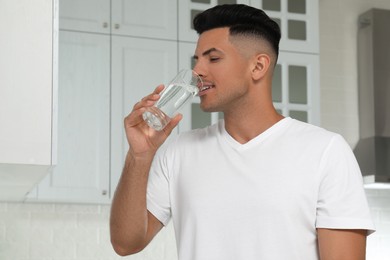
199, 70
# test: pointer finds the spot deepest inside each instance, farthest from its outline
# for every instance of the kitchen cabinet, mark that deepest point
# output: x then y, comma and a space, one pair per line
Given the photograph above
145, 18
92, 143
82, 171
295, 89
140, 18
85, 15
28, 91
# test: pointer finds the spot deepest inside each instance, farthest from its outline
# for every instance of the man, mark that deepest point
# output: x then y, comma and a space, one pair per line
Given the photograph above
254, 186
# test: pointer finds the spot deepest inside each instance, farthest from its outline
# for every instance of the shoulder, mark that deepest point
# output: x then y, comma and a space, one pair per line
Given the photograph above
200, 135
308, 130
191, 139
310, 135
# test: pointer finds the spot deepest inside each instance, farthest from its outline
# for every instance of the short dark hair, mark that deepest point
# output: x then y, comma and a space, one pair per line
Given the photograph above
241, 20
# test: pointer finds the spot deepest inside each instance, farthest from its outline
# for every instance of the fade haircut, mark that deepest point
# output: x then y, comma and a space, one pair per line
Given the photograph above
242, 20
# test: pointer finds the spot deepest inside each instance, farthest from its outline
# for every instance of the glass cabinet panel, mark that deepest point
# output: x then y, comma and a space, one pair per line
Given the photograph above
194, 12
277, 84
201, 1
297, 30
297, 82
226, 2
299, 115
297, 6
271, 5
295, 88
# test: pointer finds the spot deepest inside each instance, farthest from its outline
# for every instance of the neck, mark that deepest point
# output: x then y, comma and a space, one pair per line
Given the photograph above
249, 120
245, 129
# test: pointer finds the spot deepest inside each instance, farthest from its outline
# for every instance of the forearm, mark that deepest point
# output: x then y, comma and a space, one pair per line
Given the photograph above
129, 217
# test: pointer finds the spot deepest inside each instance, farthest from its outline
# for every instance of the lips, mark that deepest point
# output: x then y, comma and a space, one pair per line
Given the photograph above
206, 86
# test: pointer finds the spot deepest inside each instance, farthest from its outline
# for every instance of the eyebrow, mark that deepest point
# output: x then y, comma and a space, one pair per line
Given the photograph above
207, 52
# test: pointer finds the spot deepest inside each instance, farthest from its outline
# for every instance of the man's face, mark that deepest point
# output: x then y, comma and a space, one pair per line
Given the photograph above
224, 70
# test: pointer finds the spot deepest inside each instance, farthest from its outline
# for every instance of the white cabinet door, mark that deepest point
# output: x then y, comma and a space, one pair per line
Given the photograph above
82, 172
295, 88
188, 9
27, 81
138, 66
145, 18
85, 15
298, 20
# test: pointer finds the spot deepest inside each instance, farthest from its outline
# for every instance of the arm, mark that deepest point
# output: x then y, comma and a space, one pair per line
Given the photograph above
342, 244
132, 227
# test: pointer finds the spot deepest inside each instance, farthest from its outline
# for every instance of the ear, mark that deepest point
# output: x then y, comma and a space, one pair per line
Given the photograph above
261, 64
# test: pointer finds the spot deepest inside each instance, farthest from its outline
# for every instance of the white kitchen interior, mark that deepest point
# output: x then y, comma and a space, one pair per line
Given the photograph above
66, 216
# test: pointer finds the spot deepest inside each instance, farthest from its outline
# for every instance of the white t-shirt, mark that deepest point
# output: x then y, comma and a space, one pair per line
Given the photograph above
260, 200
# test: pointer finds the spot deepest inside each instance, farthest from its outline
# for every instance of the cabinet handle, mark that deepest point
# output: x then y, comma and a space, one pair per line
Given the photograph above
104, 192
105, 25
116, 26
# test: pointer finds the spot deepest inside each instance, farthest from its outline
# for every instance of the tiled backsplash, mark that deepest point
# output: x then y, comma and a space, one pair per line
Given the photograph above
378, 243
67, 232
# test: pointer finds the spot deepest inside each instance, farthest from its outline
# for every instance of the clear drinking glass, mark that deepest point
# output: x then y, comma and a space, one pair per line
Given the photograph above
178, 93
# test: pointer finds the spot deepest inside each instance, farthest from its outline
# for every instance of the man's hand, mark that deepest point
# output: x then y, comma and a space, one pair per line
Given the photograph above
141, 138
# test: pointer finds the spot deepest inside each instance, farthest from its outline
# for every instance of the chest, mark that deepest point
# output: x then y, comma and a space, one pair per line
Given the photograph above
241, 184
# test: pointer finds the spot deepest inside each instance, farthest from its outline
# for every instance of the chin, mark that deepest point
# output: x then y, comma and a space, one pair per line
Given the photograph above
208, 109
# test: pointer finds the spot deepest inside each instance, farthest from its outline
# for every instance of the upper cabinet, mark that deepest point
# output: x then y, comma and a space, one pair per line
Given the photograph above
139, 18
28, 92
85, 15
145, 18
82, 170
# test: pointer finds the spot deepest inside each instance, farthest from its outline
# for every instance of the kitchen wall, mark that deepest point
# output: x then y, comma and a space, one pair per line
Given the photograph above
70, 232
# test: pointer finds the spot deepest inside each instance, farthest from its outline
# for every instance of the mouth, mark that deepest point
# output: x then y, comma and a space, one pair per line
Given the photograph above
205, 87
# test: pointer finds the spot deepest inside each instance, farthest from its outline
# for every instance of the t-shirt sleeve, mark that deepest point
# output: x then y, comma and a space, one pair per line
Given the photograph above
342, 203
158, 198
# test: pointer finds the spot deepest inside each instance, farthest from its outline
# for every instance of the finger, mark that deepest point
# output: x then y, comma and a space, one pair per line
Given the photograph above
159, 89
146, 102
135, 117
172, 124
150, 99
